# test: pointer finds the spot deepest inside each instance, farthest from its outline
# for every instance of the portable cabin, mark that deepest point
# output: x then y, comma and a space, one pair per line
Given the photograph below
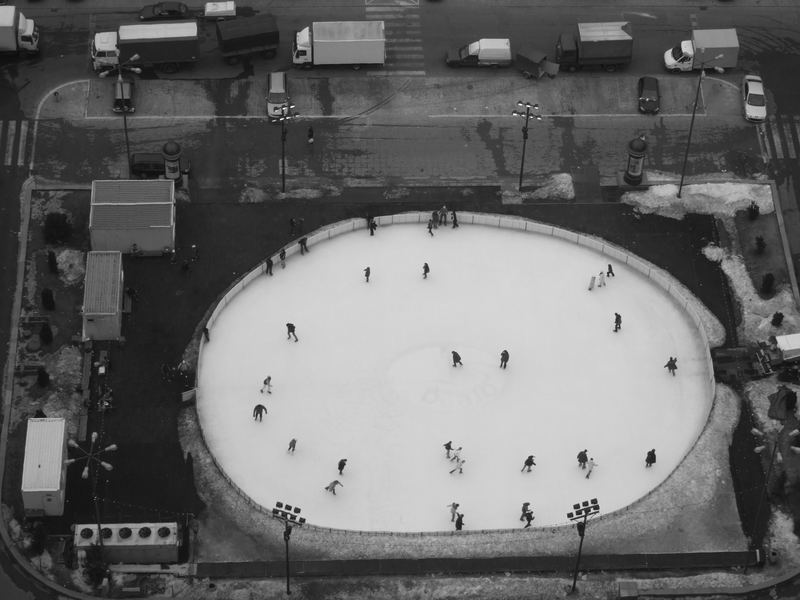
103, 296
44, 480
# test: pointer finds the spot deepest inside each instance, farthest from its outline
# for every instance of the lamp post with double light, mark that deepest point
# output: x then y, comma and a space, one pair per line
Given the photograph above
286, 113
290, 515
525, 115
580, 514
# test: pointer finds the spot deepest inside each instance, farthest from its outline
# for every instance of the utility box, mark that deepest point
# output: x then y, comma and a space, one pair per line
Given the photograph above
142, 543
102, 296
44, 480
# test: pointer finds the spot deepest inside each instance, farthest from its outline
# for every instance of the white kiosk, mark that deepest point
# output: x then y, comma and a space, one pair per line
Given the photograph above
44, 480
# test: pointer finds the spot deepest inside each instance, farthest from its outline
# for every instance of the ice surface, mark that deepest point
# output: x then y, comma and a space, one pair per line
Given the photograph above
371, 380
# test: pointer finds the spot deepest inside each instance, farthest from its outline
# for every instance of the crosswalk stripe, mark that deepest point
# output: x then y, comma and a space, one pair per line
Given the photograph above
774, 137
23, 142
11, 130
788, 138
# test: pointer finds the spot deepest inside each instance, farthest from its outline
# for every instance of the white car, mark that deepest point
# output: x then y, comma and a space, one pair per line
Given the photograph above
755, 103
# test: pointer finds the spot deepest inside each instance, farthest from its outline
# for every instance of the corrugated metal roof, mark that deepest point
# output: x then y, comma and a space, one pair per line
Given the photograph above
44, 455
131, 216
102, 289
132, 191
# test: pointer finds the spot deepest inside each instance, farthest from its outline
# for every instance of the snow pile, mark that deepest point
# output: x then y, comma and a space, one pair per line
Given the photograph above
720, 199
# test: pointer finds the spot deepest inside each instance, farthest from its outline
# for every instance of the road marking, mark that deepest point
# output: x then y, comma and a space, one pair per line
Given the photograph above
787, 130
23, 142
11, 129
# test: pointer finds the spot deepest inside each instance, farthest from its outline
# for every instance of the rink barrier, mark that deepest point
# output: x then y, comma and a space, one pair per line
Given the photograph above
615, 254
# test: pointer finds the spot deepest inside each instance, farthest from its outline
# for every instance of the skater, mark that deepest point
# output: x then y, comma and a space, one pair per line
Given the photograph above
453, 510
292, 445
372, 225
425, 270
206, 334
267, 385
303, 245
342, 464
366, 274
617, 322
529, 462
459, 521
269, 266
292, 225
459, 465
331, 487
258, 412
455, 219
448, 447
290, 332
456, 358
456, 454
591, 282
672, 365
503, 359
601, 280
310, 135
430, 227
282, 256
610, 272
582, 459
650, 460
435, 219
591, 467
526, 507
528, 519
443, 215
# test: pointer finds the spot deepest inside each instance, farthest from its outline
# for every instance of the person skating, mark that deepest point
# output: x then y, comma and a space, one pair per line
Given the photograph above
290, 332
583, 457
372, 225
267, 385
459, 521
456, 454
672, 365
342, 464
650, 460
529, 462
455, 218
459, 465
590, 468
259, 411
425, 270
617, 322
610, 272
366, 274
268, 270
456, 358
448, 446
601, 280
435, 219
331, 487
503, 359
304, 245
443, 215
528, 519
292, 445
282, 257
453, 510
526, 506
430, 227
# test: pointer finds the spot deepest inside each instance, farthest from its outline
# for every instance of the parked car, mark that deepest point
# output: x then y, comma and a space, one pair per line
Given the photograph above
755, 103
164, 11
649, 96
150, 165
123, 95
277, 94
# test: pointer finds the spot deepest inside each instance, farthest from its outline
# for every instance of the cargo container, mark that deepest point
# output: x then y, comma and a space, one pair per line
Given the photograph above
246, 36
605, 45
353, 43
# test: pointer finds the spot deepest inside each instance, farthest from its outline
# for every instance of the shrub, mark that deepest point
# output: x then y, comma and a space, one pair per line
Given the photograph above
48, 300
95, 568
768, 284
46, 334
42, 377
753, 211
57, 229
761, 245
38, 538
777, 319
52, 263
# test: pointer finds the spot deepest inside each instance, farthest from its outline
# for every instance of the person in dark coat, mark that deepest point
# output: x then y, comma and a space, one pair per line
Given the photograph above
610, 272
503, 359
290, 332
430, 227
425, 270
448, 447
304, 245
529, 462
617, 322
331, 487
268, 270
366, 273
435, 219
672, 365
528, 519
455, 219
583, 458
526, 506
650, 460
459, 521
259, 411
282, 256
292, 225
373, 225
292, 445
342, 464
456, 358
453, 510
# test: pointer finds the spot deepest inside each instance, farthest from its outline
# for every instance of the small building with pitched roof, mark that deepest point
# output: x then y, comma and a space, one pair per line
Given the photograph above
103, 296
44, 480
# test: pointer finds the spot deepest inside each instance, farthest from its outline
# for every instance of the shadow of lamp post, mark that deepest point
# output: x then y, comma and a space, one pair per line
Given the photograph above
775, 458
286, 114
119, 68
290, 515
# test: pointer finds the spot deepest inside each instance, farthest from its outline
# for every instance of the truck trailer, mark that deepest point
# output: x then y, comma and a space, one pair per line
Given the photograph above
708, 49
485, 52
605, 45
18, 34
353, 43
167, 45
247, 36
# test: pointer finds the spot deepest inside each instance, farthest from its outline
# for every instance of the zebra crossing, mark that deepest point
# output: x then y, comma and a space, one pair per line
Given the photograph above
779, 137
14, 142
403, 29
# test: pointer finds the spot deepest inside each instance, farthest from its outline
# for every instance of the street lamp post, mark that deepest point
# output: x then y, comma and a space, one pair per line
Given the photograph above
119, 69
775, 456
691, 123
580, 514
93, 461
526, 115
290, 515
286, 114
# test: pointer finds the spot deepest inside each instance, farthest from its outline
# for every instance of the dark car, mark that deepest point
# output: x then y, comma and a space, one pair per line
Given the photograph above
150, 165
163, 11
649, 98
123, 96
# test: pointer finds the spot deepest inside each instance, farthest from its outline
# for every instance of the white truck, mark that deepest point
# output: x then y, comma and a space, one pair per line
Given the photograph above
353, 43
708, 49
486, 52
165, 45
18, 34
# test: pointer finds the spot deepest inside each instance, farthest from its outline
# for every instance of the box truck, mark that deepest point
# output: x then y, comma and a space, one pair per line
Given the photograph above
486, 52
17, 33
165, 45
353, 43
605, 45
708, 49
246, 36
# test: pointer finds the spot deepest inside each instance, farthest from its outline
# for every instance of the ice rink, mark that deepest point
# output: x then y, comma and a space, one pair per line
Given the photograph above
371, 380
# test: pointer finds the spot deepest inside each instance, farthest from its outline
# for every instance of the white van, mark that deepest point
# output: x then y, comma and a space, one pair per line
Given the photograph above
277, 94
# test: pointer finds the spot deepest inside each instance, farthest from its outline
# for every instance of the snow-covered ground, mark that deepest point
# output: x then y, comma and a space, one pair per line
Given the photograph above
371, 380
